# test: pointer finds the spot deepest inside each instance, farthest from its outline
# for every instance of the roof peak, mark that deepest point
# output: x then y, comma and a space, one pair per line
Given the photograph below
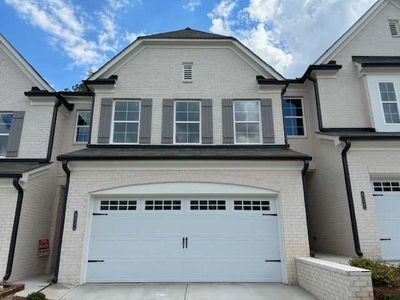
186, 33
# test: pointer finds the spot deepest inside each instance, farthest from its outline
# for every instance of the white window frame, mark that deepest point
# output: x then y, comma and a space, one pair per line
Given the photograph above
245, 122
388, 102
76, 125
113, 116
374, 96
188, 122
303, 117
6, 134
183, 72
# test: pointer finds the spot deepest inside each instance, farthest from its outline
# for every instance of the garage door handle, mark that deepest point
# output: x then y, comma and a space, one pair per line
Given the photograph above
386, 239
95, 260
183, 243
186, 240
272, 260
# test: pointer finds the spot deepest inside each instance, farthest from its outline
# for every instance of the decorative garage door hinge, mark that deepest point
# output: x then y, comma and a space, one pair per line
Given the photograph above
377, 195
95, 260
271, 215
99, 214
272, 260
386, 239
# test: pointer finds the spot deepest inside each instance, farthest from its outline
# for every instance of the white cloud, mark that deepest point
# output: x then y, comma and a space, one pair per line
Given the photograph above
221, 17
71, 30
191, 5
289, 35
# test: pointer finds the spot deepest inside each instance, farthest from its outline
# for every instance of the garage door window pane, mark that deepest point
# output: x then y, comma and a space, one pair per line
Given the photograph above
118, 205
251, 205
207, 205
163, 205
386, 186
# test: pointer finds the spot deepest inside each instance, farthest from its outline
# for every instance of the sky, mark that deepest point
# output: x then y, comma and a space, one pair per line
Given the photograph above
64, 39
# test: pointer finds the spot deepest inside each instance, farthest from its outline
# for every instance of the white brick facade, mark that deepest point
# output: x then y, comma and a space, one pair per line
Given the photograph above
156, 73
83, 182
333, 281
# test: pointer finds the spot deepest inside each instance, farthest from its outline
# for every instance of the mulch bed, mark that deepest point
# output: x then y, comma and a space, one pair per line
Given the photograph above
387, 292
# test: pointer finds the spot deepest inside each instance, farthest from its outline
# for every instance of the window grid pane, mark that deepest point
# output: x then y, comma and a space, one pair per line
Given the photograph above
126, 122
251, 205
294, 117
163, 205
124, 205
187, 122
83, 126
386, 186
5, 127
247, 122
389, 102
207, 205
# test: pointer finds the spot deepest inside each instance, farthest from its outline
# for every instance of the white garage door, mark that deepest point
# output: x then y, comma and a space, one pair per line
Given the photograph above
387, 199
178, 240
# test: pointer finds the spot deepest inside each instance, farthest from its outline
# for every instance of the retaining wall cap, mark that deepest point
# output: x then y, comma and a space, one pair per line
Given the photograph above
332, 266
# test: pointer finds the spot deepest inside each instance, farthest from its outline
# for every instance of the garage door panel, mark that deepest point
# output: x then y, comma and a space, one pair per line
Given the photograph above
137, 271
230, 245
387, 203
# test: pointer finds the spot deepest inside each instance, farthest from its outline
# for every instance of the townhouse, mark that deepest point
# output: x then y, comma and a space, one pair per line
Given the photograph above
192, 160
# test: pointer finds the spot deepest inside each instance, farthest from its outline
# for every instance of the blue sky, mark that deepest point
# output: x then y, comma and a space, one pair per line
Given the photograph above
63, 39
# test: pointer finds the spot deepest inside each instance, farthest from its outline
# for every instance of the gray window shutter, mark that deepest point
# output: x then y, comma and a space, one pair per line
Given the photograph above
267, 121
105, 121
145, 121
14, 138
227, 121
206, 121
168, 121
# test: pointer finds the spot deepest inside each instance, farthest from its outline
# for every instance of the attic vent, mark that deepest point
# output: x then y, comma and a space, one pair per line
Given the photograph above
187, 72
394, 27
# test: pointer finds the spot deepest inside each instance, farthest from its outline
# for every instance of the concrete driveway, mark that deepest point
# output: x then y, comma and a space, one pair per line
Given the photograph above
178, 292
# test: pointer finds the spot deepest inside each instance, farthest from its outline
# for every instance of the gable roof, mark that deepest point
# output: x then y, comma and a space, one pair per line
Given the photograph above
181, 35
23, 64
186, 33
357, 27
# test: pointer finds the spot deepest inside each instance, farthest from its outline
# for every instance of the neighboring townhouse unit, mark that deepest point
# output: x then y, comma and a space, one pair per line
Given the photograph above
35, 124
187, 177
346, 116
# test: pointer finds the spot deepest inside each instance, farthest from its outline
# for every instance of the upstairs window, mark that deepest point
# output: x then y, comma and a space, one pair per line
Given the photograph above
294, 117
125, 125
83, 118
247, 122
389, 102
5, 127
394, 26
187, 72
187, 122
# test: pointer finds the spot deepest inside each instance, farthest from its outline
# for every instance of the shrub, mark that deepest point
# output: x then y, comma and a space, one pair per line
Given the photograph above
36, 296
382, 274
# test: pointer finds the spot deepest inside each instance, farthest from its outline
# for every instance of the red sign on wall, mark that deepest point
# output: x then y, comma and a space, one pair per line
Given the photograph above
44, 247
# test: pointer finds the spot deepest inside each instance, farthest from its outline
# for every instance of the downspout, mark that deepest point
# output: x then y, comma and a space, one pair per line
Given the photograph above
14, 233
350, 197
317, 103
60, 239
283, 115
303, 177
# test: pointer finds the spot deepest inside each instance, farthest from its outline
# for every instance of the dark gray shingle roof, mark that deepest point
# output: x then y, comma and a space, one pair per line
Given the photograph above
377, 61
16, 169
186, 33
211, 152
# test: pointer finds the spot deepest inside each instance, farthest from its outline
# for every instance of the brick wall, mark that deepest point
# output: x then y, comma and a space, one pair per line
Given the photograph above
83, 182
331, 281
8, 200
156, 73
